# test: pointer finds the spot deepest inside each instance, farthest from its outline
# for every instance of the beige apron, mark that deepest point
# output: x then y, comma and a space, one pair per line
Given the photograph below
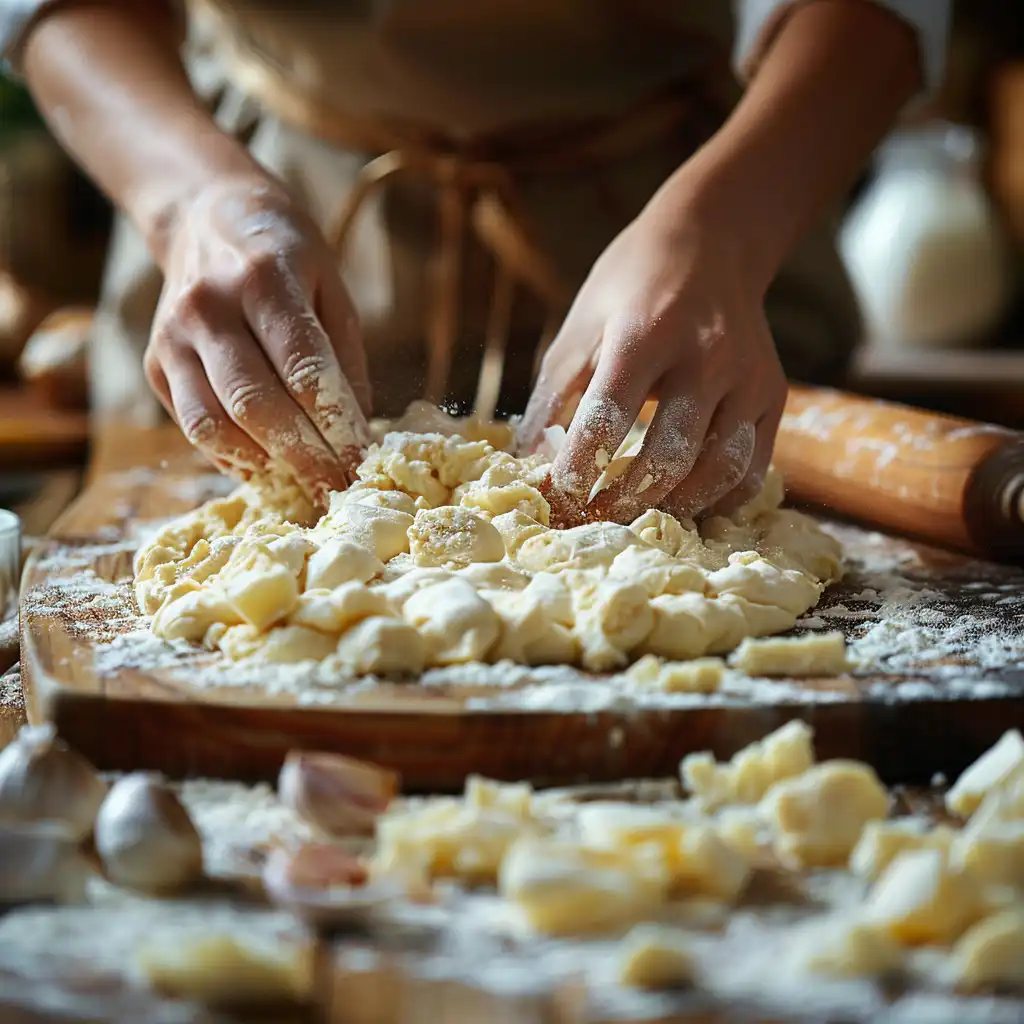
470, 162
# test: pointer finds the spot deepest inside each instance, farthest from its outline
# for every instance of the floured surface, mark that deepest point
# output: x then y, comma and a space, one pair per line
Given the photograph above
748, 958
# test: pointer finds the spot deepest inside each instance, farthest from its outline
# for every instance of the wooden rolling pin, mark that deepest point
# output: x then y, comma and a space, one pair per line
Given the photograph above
952, 482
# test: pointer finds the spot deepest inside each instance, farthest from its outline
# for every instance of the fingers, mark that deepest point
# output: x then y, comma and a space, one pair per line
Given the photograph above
341, 322
611, 404
188, 397
283, 321
723, 463
669, 452
565, 370
750, 486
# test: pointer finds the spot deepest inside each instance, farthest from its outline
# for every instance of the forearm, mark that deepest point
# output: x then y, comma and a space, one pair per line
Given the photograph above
828, 90
109, 81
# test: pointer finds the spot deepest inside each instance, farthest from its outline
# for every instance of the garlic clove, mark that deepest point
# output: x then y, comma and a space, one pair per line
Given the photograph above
145, 837
339, 795
41, 862
43, 779
324, 886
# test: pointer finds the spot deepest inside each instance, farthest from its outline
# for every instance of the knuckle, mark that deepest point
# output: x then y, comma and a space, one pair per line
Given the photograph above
303, 371
241, 398
198, 301
201, 426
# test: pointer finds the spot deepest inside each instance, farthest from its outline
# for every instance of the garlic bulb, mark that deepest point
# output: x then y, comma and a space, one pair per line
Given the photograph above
145, 837
325, 886
339, 795
42, 779
41, 862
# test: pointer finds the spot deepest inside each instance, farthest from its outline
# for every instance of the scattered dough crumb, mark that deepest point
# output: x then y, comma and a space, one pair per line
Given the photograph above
822, 654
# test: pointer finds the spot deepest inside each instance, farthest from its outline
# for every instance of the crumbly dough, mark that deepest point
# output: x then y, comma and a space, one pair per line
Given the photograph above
821, 654
443, 552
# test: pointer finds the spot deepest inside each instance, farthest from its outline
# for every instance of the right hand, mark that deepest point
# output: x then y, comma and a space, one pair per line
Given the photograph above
255, 348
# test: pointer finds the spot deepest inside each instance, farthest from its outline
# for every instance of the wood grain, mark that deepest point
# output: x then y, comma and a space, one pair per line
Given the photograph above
77, 599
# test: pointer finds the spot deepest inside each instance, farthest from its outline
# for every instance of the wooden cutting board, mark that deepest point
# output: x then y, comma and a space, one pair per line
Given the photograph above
89, 665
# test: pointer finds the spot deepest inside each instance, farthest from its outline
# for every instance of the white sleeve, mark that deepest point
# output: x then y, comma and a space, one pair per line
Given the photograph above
758, 22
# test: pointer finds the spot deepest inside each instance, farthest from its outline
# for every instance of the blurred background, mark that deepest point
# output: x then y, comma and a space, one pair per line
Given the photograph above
933, 239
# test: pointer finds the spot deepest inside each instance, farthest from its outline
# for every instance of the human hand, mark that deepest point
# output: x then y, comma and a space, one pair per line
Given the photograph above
255, 348
670, 312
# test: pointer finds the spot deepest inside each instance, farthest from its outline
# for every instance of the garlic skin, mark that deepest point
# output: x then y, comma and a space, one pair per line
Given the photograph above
43, 779
339, 795
145, 837
41, 862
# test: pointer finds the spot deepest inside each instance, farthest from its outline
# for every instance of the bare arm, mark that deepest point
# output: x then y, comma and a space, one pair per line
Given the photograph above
109, 81
674, 307
255, 340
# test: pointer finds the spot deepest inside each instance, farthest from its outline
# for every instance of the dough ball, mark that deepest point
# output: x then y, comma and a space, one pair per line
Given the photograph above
263, 595
383, 531
591, 546
456, 622
334, 611
516, 528
340, 560
453, 537
657, 572
381, 647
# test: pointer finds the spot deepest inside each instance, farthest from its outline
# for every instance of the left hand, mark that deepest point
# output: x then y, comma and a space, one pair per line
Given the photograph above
670, 312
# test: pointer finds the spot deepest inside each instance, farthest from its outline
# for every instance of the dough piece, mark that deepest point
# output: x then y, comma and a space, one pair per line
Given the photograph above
844, 946
655, 957
263, 595
379, 646
821, 654
992, 953
449, 839
334, 611
381, 530
992, 853
708, 866
456, 623
786, 753
703, 675
286, 645
188, 612
562, 888
516, 528
996, 768
657, 572
818, 817
514, 798
452, 538
591, 546
339, 560
223, 971
919, 900
618, 826
882, 841
665, 532
611, 619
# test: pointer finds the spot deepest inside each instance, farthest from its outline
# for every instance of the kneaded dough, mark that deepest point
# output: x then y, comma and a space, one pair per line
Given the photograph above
441, 553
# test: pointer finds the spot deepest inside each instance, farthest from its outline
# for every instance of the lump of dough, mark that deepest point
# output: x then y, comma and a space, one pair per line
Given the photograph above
919, 900
562, 888
494, 576
818, 816
531, 633
844, 946
399, 591
751, 576
816, 654
702, 675
379, 646
590, 546
612, 618
995, 769
384, 531
362, 494
655, 957
991, 954
882, 841
794, 541
190, 615
661, 530
516, 528
783, 754
289, 644
339, 560
689, 625
334, 611
457, 624
657, 572
452, 537
263, 595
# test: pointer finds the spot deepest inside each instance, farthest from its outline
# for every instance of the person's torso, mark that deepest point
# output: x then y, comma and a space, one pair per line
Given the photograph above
473, 67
